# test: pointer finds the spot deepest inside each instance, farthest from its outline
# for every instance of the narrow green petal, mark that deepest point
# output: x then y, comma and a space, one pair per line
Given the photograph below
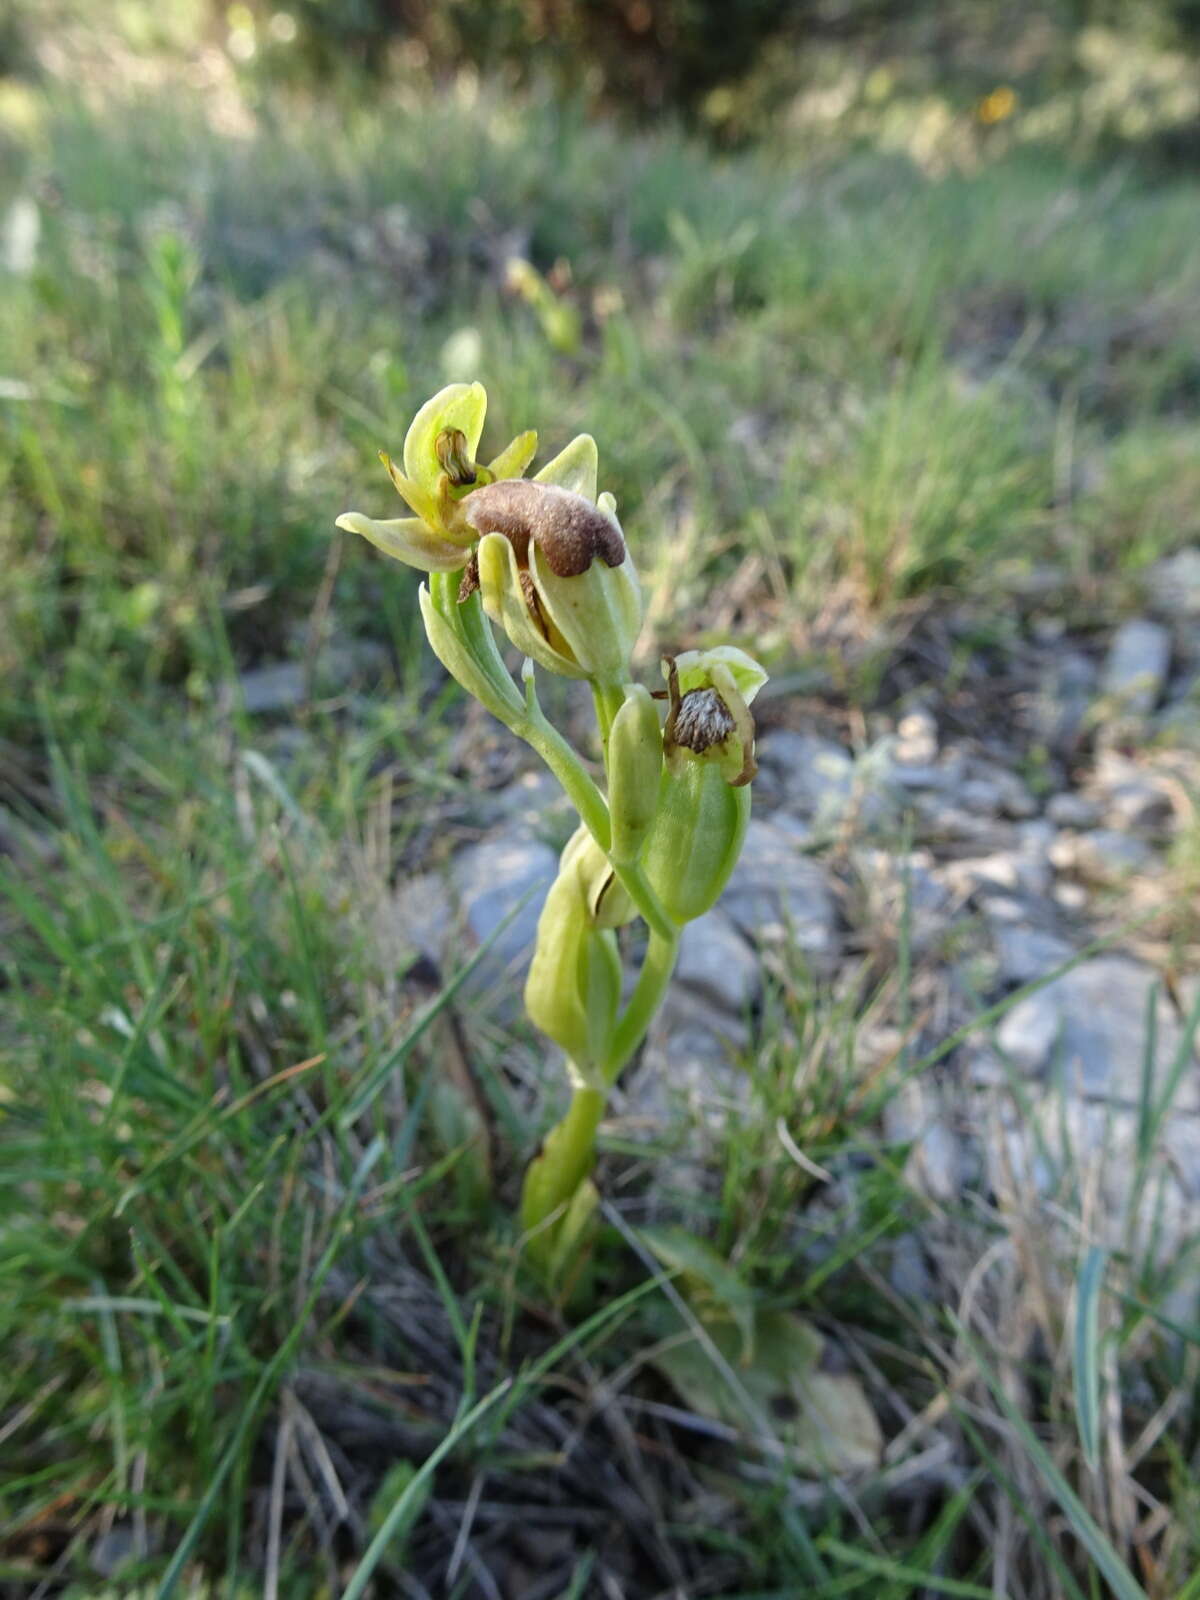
500, 588
515, 457
576, 467
459, 405
406, 539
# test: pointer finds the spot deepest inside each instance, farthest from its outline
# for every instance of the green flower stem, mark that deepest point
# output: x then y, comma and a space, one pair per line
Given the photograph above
647, 996
544, 738
566, 1158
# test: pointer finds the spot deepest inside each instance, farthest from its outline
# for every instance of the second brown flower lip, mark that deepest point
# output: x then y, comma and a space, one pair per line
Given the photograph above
569, 531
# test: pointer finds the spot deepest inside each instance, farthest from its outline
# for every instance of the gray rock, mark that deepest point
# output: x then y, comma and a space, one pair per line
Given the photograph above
283, 685
945, 775
1026, 953
1055, 1143
1023, 869
890, 881
1091, 1025
1136, 668
908, 1273
1103, 857
993, 791
935, 1165
1064, 694
423, 916
489, 879
1174, 583
778, 896
716, 962
807, 774
535, 802
1071, 810
688, 1077
1131, 796
276, 687
1178, 725
1140, 803
916, 741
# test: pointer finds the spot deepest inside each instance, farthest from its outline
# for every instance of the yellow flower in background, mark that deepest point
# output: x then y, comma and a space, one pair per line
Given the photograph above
998, 105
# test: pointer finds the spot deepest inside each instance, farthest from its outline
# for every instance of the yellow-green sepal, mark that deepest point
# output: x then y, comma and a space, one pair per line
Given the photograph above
576, 467
461, 406
407, 539
514, 459
597, 613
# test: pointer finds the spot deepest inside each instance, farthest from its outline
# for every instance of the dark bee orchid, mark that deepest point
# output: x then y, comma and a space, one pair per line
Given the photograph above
439, 472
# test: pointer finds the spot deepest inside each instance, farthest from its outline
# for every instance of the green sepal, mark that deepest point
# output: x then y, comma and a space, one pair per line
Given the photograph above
504, 600
407, 539
459, 405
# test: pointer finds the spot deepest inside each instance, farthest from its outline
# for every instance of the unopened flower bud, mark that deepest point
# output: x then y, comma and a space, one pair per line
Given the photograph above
635, 756
574, 984
608, 903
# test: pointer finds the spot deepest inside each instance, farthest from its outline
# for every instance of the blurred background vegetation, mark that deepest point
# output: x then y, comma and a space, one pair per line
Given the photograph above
873, 308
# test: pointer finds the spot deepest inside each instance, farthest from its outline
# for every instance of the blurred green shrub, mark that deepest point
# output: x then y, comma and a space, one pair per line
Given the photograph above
654, 55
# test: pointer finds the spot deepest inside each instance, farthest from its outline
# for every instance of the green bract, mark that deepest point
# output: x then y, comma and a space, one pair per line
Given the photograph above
695, 839
635, 758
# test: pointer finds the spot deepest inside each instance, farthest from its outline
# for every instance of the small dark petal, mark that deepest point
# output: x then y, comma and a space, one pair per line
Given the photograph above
567, 528
703, 720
